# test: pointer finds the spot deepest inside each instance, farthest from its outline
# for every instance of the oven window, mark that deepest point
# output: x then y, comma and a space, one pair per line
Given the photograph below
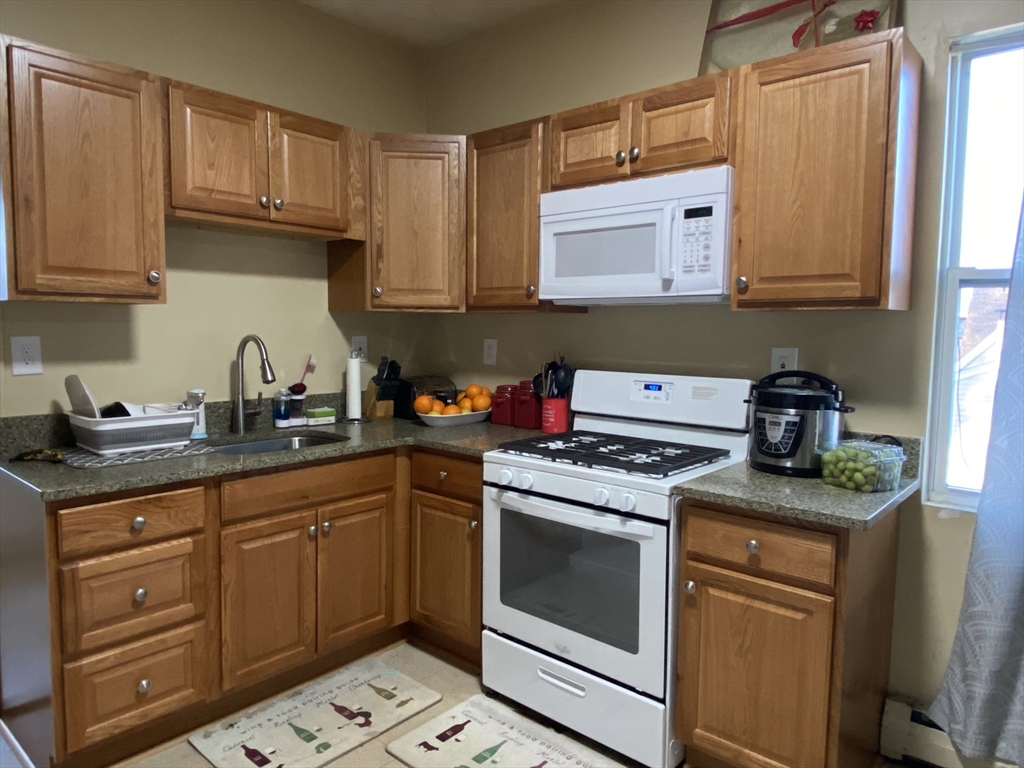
581, 580
605, 252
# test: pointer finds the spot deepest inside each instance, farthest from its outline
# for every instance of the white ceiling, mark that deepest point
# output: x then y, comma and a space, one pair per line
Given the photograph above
427, 23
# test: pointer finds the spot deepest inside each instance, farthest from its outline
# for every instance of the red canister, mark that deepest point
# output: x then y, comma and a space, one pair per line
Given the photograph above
527, 414
555, 415
503, 405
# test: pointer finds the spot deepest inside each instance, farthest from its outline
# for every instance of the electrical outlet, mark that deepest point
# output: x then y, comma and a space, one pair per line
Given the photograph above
26, 356
490, 351
784, 359
359, 345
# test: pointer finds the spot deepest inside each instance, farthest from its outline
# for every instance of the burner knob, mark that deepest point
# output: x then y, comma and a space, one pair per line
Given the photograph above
526, 481
601, 496
628, 502
505, 477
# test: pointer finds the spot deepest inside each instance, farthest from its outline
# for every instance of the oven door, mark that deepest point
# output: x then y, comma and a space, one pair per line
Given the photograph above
583, 585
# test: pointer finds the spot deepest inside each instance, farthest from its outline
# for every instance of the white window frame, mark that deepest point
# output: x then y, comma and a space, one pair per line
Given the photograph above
951, 276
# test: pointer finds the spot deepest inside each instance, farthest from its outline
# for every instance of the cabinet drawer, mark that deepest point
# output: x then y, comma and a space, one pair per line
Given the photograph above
448, 476
102, 600
793, 553
99, 527
133, 684
281, 491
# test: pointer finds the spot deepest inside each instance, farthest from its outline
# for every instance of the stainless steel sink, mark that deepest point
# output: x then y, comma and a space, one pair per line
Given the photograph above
274, 444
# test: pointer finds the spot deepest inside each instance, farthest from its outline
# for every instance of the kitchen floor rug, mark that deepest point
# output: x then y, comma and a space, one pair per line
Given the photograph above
318, 723
484, 732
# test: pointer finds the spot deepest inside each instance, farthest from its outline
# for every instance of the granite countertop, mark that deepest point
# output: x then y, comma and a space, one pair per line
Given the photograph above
800, 498
56, 482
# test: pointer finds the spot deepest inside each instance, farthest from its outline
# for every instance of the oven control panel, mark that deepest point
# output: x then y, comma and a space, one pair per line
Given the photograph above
651, 391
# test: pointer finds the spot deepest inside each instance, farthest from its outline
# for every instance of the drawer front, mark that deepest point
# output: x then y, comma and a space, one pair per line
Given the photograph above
448, 476
99, 527
303, 488
113, 598
780, 551
128, 686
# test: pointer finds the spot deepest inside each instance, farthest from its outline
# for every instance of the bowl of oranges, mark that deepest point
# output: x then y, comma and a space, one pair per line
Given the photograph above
472, 405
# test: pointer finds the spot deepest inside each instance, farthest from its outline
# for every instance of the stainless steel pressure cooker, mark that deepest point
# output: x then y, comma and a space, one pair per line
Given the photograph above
792, 424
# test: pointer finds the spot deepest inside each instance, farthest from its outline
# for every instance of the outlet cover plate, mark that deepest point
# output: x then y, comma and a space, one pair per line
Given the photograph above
26, 356
784, 359
360, 343
490, 351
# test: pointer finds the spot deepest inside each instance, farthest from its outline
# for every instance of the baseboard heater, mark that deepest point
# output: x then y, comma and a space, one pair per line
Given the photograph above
910, 733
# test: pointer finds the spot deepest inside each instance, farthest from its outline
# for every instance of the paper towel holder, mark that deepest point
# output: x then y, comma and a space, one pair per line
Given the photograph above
360, 419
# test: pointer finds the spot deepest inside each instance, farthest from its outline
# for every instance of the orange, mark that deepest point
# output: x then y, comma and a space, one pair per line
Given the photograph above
422, 404
466, 404
473, 390
436, 406
481, 402
451, 410
462, 394
485, 391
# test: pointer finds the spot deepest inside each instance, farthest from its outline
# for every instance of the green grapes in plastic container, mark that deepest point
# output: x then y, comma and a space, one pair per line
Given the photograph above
862, 466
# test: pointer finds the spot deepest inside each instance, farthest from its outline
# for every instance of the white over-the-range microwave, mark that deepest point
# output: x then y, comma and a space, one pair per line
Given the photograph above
655, 240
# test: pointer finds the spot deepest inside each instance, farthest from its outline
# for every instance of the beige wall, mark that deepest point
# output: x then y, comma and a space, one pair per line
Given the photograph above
220, 287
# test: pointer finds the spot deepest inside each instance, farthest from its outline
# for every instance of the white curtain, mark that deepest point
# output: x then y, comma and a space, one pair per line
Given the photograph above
981, 702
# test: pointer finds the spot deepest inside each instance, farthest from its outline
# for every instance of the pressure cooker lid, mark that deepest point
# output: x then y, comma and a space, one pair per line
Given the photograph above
813, 392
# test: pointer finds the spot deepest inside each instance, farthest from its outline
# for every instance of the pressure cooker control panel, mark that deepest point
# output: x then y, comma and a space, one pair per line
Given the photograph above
776, 432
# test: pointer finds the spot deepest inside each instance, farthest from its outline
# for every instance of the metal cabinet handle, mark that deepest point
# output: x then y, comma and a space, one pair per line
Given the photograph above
312, 530
742, 284
689, 587
620, 157
530, 290
473, 524
634, 154
141, 594
144, 685
326, 526
139, 523
753, 546
154, 277
278, 204
442, 475
264, 202
378, 291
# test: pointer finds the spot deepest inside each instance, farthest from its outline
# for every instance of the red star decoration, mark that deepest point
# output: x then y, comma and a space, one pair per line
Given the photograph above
865, 20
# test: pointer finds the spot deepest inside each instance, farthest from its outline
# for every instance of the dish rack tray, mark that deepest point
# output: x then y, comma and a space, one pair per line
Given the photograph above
165, 427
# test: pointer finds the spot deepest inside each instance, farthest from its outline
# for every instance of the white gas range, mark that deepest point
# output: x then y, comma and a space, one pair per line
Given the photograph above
581, 553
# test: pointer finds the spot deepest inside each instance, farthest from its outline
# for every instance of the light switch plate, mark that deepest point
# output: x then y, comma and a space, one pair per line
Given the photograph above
490, 351
359, 344
26, 356
784, 359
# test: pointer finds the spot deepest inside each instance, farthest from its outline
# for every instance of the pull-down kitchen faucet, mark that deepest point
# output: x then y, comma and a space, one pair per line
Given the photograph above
267, 374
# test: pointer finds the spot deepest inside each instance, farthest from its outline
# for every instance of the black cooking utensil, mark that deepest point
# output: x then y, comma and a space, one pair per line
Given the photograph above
381, 371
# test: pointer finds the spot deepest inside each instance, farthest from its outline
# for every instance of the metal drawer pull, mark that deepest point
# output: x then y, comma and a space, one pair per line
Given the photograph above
442, 475
689, 587
141, 594
144, 685
278, 204
473, 524
753, 546
312, 530
139, 523
576, 689
327, 526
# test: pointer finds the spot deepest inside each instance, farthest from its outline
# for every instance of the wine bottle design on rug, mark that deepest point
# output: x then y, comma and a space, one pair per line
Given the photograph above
302, 733
487, 754
403, 702
455, 730
384, 693
255, 756
349, 714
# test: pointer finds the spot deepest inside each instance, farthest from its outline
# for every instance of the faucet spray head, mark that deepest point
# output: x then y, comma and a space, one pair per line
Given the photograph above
267, 371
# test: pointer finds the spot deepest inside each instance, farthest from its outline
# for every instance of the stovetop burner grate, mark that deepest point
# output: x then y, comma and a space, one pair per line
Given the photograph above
616, 453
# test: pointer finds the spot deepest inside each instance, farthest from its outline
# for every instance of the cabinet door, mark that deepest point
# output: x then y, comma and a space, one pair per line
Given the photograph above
754, 661
503, 215
353, 584
586, 143
445, 589
308, 171
810, 177
268, 582
417, 221
87, 178
682, 125
219, 159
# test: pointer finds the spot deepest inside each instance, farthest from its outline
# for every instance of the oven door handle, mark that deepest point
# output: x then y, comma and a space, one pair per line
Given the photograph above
619, 526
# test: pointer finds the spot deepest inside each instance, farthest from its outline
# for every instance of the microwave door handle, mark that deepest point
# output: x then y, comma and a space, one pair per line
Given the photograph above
623, 529
667, 267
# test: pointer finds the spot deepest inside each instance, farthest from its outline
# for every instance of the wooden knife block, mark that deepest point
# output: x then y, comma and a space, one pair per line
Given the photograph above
375, 409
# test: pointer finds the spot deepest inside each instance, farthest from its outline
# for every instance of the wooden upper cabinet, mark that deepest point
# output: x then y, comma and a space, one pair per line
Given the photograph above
218, 153
824, 177
681, 125
590, 143
754, 665
308, 171
416, 237
504, 172
87, 179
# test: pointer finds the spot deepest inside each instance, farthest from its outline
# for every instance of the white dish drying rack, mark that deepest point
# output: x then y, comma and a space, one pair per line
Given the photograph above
152, 426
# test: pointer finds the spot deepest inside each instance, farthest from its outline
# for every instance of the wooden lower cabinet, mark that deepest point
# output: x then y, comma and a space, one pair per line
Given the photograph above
755, 661
445, 588
268, 586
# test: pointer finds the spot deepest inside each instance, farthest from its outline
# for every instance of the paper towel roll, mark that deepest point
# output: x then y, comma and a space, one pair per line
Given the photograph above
354, 387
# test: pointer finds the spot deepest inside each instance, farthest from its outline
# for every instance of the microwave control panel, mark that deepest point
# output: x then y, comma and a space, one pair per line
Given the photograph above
652, 392
697, 237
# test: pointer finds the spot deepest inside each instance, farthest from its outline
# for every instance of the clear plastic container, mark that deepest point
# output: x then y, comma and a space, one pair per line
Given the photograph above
863, 466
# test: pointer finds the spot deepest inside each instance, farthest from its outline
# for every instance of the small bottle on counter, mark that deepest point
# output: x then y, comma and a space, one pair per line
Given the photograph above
282, 408
297, 410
